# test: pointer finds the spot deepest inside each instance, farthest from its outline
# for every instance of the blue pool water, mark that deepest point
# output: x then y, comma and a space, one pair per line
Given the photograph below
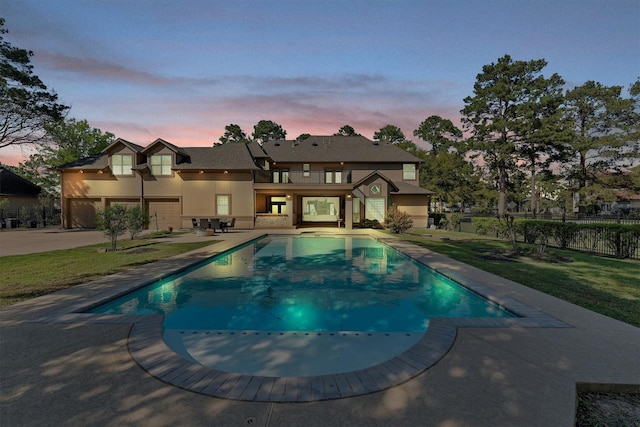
306, 283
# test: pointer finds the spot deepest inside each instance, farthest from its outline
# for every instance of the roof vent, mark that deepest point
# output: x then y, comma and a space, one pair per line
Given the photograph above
277, 144
315, 144
376, 143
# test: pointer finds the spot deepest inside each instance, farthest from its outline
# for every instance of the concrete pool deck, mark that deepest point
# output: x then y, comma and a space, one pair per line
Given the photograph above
82, 373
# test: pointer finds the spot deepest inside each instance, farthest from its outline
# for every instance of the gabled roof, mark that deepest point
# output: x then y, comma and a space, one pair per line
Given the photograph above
396, 187
167, 144
229, 156
374, 174
336, 149
256, 150
12, 184
133, 147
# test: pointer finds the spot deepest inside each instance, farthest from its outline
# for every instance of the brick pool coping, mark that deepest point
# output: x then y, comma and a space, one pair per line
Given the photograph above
149, 350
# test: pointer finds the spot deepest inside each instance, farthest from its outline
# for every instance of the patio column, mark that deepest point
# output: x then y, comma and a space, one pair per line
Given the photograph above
348, 212
289, 210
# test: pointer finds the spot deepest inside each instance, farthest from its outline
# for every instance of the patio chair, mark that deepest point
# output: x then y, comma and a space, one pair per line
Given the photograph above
215, 224
204, 224
231, 224
194, 222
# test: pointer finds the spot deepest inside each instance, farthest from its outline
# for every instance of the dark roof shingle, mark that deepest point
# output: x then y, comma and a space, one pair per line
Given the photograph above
336, 149
12, 184
230, 156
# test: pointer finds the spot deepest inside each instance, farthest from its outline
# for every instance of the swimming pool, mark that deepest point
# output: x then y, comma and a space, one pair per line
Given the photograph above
293, 366
304, 306
306, 283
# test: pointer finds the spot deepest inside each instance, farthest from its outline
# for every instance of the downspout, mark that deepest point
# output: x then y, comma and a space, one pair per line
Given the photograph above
141, 191
63, 203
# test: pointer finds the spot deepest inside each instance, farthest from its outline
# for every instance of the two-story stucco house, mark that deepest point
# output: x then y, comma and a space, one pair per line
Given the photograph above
322, 180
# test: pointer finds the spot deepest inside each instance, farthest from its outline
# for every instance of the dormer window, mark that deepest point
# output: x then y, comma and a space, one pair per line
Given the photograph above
121, 164
161, 164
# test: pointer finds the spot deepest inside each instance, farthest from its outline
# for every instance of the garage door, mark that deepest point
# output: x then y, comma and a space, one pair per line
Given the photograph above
164, 214
82, 212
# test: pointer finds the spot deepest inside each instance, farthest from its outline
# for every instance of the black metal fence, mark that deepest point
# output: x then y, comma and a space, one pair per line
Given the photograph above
593, 234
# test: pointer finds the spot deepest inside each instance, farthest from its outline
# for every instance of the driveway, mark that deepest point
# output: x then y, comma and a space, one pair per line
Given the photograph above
21, 241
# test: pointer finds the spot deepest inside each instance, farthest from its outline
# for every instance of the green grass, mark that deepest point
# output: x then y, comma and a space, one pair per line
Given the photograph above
605, 285
27, 276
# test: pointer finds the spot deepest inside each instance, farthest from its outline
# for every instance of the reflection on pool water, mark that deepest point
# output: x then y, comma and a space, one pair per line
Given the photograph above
306, 283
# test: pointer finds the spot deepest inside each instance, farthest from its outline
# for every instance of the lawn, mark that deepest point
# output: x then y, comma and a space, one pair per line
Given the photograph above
605, 285
27, 276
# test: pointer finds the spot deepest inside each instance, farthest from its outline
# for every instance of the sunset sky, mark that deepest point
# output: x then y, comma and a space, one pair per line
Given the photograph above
183, 70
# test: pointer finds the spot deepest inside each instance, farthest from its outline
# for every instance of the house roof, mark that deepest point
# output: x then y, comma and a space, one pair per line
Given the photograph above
406, 188
241, 156
229, 156
95, 162
134, 147
167, 144
394, 187
256, 150
12, 184
336, 149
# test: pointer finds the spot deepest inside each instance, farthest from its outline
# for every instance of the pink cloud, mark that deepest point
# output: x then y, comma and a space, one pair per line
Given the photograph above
98, 68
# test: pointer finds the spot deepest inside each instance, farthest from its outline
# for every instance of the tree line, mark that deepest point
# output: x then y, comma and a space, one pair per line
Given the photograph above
522, 134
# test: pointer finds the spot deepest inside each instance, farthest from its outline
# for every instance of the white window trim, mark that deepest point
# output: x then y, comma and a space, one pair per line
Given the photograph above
122, 169
162, 165
412, 171
372, 210
218, 204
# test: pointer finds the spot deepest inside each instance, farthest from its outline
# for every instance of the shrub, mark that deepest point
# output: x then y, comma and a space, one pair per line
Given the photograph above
438, 218
4, 204
398, 221
565, 233
484, 226
137, 219
622, 240
453, 221
113, 221
537, 232
372, 223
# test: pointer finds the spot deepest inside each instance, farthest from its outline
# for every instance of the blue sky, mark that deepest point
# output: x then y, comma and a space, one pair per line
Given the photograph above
181, 71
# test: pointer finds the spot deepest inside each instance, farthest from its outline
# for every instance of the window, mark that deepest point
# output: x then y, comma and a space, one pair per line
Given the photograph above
161, 164
375, 208
409, 171
278, 204
305, 170
121, 164
333, 177
280, 176
320, 209
356, 211
223, 205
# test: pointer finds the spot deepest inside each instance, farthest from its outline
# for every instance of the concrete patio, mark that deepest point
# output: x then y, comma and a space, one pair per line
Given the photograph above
81, 372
